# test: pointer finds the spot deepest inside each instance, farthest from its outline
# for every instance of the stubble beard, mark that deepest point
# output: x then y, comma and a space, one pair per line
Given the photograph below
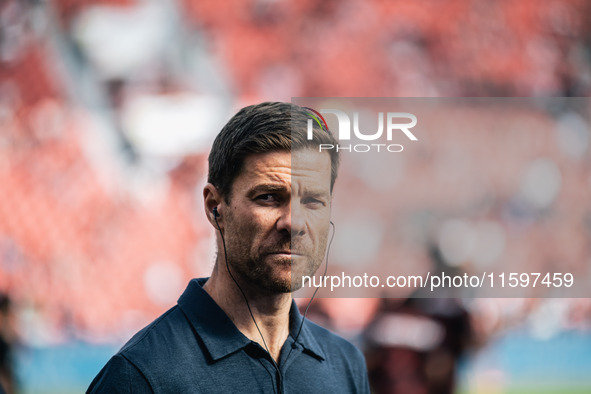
254, 271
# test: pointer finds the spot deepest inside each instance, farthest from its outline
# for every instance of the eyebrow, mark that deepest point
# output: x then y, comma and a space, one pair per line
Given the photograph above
267, 188
279, 188
317, 194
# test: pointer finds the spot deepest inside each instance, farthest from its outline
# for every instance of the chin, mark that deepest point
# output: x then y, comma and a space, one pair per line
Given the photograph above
280, 286
305, 267
284, 275
282, 282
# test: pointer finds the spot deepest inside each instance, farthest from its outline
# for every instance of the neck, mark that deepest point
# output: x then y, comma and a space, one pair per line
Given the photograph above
270, 311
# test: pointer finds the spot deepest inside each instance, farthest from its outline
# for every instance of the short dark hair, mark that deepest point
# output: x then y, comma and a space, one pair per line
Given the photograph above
262, 128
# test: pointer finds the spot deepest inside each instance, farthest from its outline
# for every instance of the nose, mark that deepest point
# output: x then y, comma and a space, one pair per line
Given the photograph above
291, 219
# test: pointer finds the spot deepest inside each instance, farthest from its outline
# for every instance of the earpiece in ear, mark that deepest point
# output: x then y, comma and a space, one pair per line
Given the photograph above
216, 213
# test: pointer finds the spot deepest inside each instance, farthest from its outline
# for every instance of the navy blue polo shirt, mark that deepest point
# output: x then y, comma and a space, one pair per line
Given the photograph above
195, 348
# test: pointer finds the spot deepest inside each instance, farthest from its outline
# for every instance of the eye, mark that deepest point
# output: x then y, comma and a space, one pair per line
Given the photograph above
267, 197
313, 203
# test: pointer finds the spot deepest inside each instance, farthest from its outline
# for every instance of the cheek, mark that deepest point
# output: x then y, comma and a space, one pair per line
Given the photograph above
254, 227
321, 238
263, 219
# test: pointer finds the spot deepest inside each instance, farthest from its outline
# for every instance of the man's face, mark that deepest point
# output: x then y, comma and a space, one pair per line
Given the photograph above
277, 220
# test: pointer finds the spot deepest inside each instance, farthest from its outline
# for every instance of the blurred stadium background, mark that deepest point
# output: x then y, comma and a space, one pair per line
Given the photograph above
107, 110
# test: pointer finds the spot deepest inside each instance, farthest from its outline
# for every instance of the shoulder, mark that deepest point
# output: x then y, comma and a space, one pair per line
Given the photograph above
169, 340
334, 344
146, 356
344, 359
119, 376
148, 339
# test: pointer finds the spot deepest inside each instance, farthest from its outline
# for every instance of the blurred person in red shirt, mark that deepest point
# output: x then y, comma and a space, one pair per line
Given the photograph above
413, 345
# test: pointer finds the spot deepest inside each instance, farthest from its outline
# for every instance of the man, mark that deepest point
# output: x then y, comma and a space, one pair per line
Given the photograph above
268, 198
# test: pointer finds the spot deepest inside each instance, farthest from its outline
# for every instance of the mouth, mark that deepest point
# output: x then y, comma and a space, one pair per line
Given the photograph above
286, 254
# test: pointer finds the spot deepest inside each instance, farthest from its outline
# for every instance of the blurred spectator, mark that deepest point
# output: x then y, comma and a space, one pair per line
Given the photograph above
7, 378
414, 345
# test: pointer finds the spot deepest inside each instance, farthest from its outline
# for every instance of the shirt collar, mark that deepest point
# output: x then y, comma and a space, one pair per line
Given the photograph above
306, 339
219, 334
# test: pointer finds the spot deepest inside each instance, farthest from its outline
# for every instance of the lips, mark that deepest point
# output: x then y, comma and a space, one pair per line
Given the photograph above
286, 249
286, 253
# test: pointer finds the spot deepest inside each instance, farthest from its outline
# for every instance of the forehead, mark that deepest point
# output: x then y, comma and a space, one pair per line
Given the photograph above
303, 167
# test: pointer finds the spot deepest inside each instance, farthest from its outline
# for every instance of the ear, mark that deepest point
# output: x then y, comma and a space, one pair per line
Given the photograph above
212, 199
